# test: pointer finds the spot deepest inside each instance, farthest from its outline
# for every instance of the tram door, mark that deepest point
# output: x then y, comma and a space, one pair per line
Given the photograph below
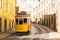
5, 25
0, 24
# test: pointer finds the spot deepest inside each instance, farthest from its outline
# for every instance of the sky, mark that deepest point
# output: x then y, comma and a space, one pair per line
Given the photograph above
24, 5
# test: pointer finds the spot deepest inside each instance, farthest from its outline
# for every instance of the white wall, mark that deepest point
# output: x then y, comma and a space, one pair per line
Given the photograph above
58, 15
50, 7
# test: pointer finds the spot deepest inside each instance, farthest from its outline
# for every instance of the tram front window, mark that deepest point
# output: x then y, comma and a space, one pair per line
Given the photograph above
20, 22
25, 20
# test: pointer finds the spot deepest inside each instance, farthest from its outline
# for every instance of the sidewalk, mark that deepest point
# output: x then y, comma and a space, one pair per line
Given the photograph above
5, 34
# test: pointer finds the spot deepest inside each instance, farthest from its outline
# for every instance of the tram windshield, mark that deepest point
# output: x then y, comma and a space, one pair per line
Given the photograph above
20, 22
25, 20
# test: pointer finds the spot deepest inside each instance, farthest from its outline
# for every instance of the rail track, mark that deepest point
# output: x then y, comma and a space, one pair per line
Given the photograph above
38, 30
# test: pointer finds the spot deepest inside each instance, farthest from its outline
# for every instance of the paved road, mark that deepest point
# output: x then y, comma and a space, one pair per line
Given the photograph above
37, 32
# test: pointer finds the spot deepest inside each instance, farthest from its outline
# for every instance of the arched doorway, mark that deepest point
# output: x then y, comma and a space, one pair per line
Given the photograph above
5, 25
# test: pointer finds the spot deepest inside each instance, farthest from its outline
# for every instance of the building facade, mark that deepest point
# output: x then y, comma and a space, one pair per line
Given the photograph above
48, 7
7, 15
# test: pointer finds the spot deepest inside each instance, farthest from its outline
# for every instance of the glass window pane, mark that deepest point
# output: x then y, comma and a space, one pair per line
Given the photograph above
20, 22
25, 20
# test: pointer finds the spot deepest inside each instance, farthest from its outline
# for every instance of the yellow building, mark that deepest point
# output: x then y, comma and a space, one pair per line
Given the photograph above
17, 9
7, 15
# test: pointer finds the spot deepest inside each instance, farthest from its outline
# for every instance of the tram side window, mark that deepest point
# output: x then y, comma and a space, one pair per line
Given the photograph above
16, 21
20, 22
25, 20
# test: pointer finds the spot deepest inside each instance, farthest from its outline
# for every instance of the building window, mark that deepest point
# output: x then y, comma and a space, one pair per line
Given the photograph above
0, 3
6, 5
0, 24
39, 0
5, 25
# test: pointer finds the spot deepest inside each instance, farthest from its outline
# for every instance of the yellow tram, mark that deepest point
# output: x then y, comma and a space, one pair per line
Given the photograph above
22, 22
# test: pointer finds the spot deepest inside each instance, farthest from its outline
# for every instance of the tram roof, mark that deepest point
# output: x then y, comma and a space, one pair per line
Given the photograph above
22, 14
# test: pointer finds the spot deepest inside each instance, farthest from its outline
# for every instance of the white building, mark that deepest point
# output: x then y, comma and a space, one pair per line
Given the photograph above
57, 15
51, 7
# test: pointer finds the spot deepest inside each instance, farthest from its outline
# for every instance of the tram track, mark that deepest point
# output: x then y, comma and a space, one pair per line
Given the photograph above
39, 30
47, 31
